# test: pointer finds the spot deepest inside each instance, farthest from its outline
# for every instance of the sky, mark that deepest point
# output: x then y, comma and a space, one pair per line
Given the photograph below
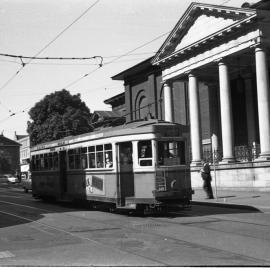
109, 28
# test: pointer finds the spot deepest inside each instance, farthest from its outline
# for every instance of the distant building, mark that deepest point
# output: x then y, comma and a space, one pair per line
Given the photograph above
106, 118
24, 141
110, 118
9, 156
118, 103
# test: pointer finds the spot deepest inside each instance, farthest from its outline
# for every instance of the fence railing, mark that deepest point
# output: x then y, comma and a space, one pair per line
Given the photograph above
242, 153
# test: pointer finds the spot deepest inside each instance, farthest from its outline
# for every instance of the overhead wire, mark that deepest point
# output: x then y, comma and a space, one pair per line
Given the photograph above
14, 113
112, 61
225, 2
61, 58
82, 58
47, 45
115, 59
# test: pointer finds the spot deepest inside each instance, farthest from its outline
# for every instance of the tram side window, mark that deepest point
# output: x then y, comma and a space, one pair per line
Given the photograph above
100, 156
171, 153
42, 163
74, 158
84, 158
145, 153
36, 162
50, 161
46, 162
33, 163
108, 155
55, 160
92, 157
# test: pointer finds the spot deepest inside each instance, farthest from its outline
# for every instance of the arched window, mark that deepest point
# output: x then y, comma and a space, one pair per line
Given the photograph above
141, 105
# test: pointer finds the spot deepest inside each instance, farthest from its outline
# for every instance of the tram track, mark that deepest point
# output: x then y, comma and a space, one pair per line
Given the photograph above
213, 219
139, 228
75, 235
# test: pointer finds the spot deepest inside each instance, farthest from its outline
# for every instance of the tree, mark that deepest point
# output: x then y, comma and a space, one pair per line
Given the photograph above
57, 115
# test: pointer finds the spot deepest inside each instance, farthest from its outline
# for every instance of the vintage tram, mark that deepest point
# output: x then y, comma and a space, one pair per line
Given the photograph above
135, 166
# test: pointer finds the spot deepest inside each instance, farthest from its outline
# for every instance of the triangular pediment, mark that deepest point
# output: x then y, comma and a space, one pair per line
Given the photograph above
199, 23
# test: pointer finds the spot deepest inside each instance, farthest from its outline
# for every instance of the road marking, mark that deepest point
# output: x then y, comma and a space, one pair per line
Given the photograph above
27, 206
12, 196
6, 254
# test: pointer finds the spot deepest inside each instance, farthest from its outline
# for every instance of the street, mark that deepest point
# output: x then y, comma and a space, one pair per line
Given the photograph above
38, 233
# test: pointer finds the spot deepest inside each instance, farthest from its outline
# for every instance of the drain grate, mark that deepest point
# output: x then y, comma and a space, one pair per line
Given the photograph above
6, 254
93, 230
148, 225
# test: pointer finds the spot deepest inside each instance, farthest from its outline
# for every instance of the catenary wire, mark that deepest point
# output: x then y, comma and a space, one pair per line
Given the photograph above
107, 63
115, 59
60, 58
47, 45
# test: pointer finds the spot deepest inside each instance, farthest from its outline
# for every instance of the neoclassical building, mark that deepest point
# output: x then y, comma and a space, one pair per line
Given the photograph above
212, 74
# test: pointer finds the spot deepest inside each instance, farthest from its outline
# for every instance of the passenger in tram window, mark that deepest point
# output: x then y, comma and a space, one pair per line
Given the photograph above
108, 160
145, 149
100, 160
145, 153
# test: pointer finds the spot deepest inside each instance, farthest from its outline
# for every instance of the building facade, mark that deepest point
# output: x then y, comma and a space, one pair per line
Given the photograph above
212, 74
9, 156
24, 141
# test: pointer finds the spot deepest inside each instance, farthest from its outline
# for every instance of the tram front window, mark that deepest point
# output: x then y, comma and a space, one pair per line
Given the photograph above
171, 153
145, 153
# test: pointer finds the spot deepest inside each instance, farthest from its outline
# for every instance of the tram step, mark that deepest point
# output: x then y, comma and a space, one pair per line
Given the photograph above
129, 203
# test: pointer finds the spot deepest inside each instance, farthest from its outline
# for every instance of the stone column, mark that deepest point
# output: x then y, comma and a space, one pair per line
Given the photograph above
168, 102
195, 125
226, 114
214, 115
263, 102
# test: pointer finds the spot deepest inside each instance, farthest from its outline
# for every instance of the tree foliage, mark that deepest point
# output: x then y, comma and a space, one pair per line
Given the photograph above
57, 115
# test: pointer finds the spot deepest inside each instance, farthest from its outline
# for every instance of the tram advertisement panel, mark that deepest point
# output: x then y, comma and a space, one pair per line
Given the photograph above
95, 185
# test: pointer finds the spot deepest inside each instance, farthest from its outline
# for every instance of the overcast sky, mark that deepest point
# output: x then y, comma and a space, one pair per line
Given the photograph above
109, 29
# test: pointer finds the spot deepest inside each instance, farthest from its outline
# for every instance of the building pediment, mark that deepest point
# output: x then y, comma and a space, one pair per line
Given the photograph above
201, 23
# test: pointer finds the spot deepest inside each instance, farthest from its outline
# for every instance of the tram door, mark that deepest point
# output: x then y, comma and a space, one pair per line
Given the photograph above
63, 171
125, 172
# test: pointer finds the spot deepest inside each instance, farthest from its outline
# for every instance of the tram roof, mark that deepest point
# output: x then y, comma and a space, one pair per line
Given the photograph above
131, 128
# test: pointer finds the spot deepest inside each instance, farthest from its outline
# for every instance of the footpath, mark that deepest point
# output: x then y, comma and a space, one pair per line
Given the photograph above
256, 200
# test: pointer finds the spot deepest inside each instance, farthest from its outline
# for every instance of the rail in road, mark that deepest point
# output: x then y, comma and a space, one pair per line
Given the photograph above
176, 239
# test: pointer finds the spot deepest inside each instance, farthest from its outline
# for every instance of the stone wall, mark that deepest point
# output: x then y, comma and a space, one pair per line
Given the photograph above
243, 176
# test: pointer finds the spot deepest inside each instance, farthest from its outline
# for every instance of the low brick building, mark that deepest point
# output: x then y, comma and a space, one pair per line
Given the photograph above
9, 156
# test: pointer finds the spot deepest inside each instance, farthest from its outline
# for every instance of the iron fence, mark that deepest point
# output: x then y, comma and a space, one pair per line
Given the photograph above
242, 153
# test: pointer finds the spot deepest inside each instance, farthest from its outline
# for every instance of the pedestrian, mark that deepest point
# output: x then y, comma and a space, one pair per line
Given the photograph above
206, 177
18, 175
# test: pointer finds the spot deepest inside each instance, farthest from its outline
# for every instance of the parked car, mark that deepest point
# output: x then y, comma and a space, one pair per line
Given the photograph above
9, 178
26, 181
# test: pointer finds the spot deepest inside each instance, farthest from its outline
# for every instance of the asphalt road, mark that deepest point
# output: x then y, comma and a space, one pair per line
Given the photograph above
38, 233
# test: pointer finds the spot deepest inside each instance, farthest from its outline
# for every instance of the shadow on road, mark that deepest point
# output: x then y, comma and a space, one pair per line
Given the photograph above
11, 214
